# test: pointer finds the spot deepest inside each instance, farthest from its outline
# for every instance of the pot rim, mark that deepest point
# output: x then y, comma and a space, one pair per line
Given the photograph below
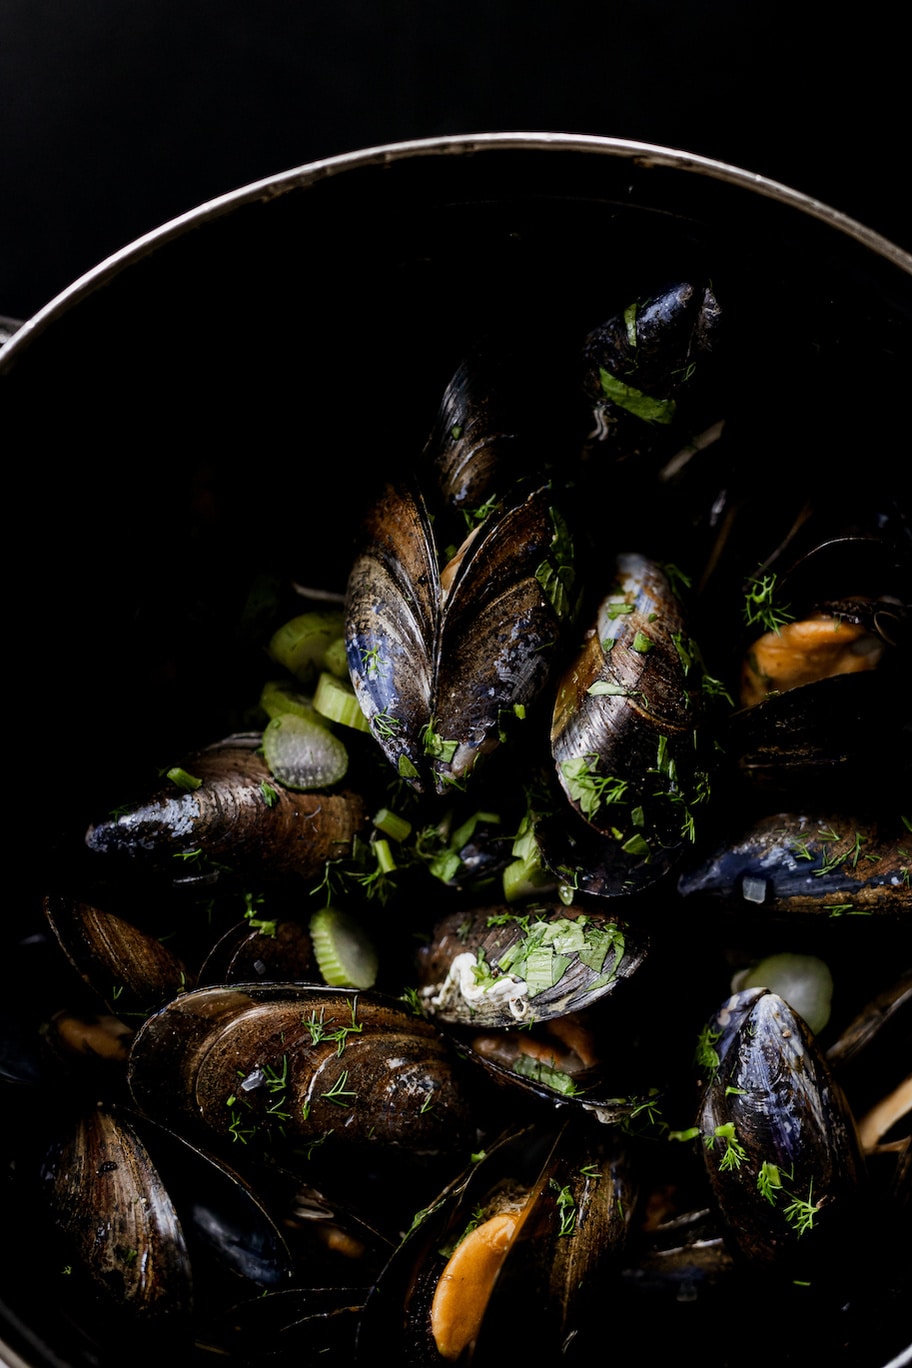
644, 154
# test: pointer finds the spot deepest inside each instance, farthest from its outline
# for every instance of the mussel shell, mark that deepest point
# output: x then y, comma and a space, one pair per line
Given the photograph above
846, 739
808, 864
126, 966
554, 1274
578, 956
245, 953
294, 1064
486, 435
239, 819
657, 347
775, 1098
106, 1196
626, 712
434, 661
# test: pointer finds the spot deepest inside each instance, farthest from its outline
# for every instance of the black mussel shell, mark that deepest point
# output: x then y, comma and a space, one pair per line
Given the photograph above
830, 864
442, 660
640, 366
780, 1144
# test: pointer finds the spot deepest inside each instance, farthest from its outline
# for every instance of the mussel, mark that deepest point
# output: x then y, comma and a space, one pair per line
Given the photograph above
639, 364
780, 1143
224, 811
513, 1259
624, 733
444, 661
816, 863
295, 1065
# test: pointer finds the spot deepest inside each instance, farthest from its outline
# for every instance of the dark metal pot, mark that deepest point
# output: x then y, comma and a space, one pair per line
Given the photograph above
194, 413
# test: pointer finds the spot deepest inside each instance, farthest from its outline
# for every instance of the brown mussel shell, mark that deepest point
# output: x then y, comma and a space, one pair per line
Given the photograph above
130, 970
117, 1217
295, 1064
623, 731
237, 819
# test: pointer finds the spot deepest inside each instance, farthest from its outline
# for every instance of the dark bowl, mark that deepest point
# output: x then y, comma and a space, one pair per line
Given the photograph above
199, 416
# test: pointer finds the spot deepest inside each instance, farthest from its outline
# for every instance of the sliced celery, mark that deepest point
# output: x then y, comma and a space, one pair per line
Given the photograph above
300, 645
303, 755
338, 702
345, 953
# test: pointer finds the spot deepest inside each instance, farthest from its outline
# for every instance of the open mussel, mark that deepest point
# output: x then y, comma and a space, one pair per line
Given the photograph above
222, 810
819, 652
443, 660
515, 1259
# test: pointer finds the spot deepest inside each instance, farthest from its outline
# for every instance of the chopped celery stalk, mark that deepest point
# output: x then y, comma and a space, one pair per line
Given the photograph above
185, 781
335, 658
277, 697
303, 755
524, 877
392, 825
337, 701
345, 955
385, 862
300, 645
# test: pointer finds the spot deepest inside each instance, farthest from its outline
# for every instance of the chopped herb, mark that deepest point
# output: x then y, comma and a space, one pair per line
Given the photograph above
759, 607
183, 780
338, 1093
566, 1209
635, 402
705, 1055
735, 1152
589, 789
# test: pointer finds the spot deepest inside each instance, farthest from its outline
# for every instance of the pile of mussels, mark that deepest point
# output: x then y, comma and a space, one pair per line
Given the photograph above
610, 774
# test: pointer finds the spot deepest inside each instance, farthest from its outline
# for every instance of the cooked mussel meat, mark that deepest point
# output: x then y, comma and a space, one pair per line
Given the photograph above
513, 1257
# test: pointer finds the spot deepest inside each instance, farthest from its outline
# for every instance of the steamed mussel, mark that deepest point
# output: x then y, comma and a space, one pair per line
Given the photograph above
544, 686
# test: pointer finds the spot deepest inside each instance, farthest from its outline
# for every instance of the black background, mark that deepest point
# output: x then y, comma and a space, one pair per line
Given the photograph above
117, 116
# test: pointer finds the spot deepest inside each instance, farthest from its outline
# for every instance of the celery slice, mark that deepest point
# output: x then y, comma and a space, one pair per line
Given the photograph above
302, 754
300, 645
345, 954
277, 696
337, 701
